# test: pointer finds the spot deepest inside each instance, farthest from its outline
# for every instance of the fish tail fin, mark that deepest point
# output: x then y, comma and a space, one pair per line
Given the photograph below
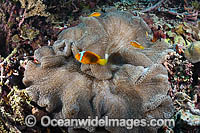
141, 47
102, 62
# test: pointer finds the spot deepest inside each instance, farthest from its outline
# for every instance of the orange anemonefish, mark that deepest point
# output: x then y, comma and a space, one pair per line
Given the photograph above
95, 14
88, 57
136, 44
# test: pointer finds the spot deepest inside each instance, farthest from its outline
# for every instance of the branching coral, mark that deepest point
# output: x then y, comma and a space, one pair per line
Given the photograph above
12, 100
133, 84
33, 8
16, 29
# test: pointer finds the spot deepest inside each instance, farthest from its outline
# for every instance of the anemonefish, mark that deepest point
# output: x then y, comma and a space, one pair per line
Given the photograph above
136, 44
95, 14
88, 57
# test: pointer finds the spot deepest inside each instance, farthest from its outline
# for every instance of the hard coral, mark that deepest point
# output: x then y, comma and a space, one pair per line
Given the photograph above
33, 8
192, 53
133, 84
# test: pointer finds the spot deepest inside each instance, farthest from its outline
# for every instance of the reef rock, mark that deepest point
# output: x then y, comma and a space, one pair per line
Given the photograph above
192, 52
133, 84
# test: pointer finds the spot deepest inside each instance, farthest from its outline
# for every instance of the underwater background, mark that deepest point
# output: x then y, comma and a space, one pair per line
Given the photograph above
26, 25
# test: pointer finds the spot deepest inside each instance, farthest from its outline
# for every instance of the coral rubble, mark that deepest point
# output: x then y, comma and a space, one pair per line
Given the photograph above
134, 83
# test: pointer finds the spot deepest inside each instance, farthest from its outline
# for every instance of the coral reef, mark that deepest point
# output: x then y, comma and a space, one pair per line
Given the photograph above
183, 76
33, 8
180, 74
13, 101
134, 83
23, 24
15, 104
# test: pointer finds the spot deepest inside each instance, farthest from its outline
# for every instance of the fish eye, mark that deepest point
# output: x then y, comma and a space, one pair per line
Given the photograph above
62, 48
103, 10
71, 43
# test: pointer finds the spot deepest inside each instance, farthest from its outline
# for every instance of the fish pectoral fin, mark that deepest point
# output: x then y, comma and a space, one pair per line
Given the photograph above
102, 61
75, 50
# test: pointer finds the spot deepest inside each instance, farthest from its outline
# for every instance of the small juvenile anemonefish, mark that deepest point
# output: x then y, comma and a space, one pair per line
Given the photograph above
88, 57
95, 14
136, 44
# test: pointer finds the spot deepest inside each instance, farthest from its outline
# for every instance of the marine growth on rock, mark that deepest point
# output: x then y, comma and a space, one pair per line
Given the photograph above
192, 53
